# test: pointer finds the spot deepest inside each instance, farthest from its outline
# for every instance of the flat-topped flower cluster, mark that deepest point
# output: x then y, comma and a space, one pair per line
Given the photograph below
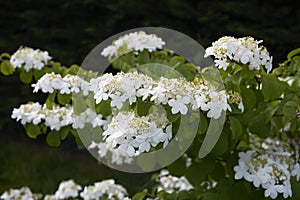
270, 165
178, 93
57, 117
244, 50
137, 42
68, 84
29, 58
170, 184
132, 134
106, 189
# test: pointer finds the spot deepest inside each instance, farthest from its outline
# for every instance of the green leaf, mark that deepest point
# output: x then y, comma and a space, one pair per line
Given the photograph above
37, 74
187, 70
71, 70
178, 167
63, 99
143, 57
64, 131
198, 172
103, 108
259, 126
293, 53
272, 87
53, 139
202, 128
146, 162
270, 111
5, 55
79, 104
143, 107
235, 127
50, 101
221, 146
213, 135
26, 77
32, 130
6, 68
249, 97
140, 195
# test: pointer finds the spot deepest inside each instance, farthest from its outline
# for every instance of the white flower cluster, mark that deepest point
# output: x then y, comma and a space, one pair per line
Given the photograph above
178, 93
244, 50
67, 189
23, 193
57, 117
137, 41
271, 166
65, 85
29, 58
106, 189
112, 154
132, 135
170, 184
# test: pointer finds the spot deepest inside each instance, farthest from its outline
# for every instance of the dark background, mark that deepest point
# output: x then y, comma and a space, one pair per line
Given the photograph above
70, 29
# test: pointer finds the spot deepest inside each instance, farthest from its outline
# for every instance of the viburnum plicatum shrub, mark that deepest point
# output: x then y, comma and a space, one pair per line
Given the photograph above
256, 155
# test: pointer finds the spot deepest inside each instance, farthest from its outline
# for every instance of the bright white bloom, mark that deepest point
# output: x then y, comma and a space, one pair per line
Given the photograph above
179, 93
244, 50
106, 189
67, 189
171, 183
57, 117
179, 104
23, 193
131, 134
28, 113
65, 85
137, 42
29, 58
268, 165
296, 171
107, 152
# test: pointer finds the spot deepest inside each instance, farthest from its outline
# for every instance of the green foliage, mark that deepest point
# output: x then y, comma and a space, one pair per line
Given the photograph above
6, 68
53, 139
140, 195
32, 130
272, 88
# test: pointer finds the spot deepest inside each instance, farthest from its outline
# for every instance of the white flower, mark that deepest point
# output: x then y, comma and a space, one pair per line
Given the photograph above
177, 92
29, 58
137, 42
57, 117
179, 104
268, 165
241, 171
132, 135
23, 193
222, 64
117, 100
67, 189
171, 183
105, 189
65, 85
244, 50
296, 171
241, 106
